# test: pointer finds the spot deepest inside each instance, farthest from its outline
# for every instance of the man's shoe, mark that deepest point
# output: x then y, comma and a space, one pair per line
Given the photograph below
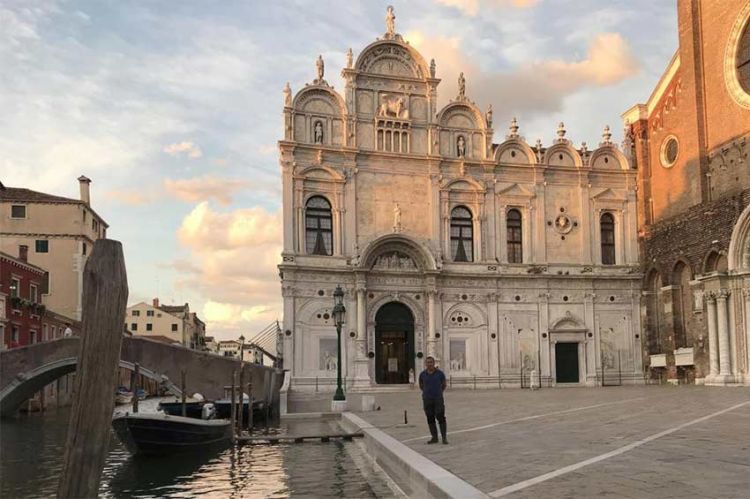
445, 441
433, 440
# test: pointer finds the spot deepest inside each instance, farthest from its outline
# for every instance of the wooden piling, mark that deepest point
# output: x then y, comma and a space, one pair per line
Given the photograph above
134, 386
184, 395
250, 404
240, 413
233, 409
105, 296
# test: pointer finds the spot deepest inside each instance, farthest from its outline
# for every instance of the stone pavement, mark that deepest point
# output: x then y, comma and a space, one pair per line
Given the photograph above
636, 442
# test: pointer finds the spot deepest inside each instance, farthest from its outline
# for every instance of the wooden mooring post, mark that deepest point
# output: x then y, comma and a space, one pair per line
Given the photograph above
134, 386
105, 297
232, 406
184, 394
241, 412
250, 405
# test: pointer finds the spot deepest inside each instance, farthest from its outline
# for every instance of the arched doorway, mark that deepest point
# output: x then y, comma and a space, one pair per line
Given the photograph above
394, 343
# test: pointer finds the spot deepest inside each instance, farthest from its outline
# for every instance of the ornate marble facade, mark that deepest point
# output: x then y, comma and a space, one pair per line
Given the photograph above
503, 258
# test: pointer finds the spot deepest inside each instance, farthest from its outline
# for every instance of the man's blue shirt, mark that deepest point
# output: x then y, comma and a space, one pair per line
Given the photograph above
432, 384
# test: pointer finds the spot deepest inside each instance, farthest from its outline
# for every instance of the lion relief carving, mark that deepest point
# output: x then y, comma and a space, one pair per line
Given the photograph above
393, 106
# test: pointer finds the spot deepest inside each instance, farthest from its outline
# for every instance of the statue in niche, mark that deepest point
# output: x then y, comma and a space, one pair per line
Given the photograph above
396, 218
461, 147
321, 67
330, 361
318, 132
349, 58
458, 363
287, 95
390, 21
461, 85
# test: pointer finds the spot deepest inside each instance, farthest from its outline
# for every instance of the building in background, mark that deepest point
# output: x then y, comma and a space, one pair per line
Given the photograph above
211, 345
498, 259
229, 348
22, 286
690, 144
175, 323
59, 233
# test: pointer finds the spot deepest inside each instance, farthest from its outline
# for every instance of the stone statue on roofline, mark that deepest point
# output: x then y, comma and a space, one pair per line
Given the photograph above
461, 86
433, 68
349, 58
287, 95
390, 22
321, 67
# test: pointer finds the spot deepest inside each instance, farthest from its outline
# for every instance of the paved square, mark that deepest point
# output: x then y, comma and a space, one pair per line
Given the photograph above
585, 442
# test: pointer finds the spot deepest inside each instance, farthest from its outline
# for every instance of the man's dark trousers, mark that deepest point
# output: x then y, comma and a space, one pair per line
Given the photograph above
434, 408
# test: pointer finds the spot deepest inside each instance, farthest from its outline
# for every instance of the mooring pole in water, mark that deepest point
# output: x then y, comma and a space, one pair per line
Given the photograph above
250, 404
134, 386
233, 409
105, 296
182, 387
241, 413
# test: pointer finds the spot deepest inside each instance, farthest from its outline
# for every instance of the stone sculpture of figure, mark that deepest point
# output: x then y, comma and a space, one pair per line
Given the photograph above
330, 361
396, 217
390, 21
489, 116
318, 132
287, 95
461, 146
461, 85
349, 58
321, 66
432, 68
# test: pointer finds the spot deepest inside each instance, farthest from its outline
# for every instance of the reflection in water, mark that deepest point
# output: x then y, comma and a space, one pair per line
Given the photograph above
31, 450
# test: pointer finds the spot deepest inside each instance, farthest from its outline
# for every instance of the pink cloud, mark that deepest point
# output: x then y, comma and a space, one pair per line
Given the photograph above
204, 188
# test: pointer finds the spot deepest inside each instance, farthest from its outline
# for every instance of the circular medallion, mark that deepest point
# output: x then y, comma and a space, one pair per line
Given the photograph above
563, 223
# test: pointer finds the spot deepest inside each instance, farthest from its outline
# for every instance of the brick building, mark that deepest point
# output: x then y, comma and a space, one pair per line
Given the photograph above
690, 146
22, 285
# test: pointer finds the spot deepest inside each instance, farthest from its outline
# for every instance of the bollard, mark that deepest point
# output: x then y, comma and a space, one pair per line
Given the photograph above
406, 419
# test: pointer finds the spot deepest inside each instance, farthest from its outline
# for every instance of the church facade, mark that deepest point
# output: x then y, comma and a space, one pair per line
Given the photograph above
509, 263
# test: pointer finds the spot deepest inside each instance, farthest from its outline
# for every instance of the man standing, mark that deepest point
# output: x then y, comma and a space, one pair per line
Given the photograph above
432, 383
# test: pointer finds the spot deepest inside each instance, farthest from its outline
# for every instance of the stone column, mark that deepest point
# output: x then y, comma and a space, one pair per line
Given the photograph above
713, 335
361, 363
725, 365
431, 323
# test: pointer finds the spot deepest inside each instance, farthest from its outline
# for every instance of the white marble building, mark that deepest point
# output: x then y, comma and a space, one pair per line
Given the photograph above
497, 259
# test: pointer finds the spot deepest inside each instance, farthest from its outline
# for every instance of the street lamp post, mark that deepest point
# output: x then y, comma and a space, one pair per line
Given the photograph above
339, 312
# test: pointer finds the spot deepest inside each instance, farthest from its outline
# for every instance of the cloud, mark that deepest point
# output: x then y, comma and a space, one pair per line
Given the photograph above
191, 150
533, 87
232, 264
129, 197
473, 7
204, 188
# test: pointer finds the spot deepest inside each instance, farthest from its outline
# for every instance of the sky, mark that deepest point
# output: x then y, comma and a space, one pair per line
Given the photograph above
174, 110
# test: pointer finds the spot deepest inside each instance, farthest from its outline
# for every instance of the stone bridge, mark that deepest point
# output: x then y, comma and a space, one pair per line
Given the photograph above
26, 370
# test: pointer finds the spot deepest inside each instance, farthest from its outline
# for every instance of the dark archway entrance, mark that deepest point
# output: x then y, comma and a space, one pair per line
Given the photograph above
394, 343
566, 363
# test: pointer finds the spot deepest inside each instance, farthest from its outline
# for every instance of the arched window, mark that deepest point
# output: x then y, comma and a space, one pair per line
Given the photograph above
743, 59
715, 262
462, 233
515, 239
607, 228
318, 226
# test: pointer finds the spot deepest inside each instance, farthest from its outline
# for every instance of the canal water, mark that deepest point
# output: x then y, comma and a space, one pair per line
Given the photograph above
31, 450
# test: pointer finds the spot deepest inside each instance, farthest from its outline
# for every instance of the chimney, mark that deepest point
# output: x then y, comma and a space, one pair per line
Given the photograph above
84, 182
156, 303
23, 253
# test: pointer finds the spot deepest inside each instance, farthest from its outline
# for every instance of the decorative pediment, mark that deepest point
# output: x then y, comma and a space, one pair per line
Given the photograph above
515, 190
608, 195
568, 322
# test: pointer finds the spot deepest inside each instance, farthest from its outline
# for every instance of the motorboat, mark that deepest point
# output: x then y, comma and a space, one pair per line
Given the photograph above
161, 433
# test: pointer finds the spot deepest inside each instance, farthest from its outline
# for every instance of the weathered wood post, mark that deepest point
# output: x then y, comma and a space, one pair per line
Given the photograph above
182, 387
250, 404
233, 408
241, 412
134, 386
105, 297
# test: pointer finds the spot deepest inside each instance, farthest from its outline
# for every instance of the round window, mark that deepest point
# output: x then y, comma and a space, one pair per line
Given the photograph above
669, 151
737, 59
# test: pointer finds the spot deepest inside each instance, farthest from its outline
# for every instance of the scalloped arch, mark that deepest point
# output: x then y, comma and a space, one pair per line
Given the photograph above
569, 153
311, 92
478, 316
597, 158
327, 169
421, 256
467, 106
467, 180
527, 157
392, 49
